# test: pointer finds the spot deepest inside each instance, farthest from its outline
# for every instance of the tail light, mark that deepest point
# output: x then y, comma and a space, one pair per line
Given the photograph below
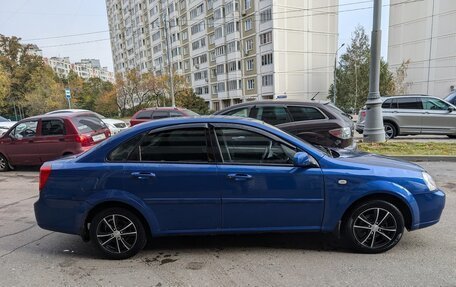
45, 172
108, 133
342, 133
83, 139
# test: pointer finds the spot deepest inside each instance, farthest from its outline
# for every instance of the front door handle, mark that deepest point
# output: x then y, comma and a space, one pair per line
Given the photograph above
239, 176
143, 175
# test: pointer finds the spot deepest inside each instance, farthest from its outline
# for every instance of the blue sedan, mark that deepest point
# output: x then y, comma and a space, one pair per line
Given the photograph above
213, 175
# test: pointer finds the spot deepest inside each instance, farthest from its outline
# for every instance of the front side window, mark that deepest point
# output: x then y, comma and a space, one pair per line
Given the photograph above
245, 147
434, 104
180, 145
52, 128
25, 130
271, 115
305, 113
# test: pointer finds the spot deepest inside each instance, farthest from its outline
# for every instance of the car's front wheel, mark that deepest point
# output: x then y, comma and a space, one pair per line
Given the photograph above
374, 226
117, 233
4, 165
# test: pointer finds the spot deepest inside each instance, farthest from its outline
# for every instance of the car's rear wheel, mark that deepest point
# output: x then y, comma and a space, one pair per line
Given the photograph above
374, 227
4, 165
117, 233
390, 130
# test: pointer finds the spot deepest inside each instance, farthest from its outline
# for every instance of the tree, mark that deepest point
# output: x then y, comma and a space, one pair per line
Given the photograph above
188, 99
352, 75
92, 89
401, 75
46, 93
4, 87
106, 104
18, 61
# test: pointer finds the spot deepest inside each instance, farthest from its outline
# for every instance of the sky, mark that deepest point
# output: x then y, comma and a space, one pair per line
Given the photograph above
33, 20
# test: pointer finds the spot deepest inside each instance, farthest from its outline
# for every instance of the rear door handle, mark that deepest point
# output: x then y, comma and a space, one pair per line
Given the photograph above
143, 175
239, 176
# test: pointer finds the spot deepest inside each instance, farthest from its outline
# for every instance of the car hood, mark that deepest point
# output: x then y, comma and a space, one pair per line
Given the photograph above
7, 124
369, 159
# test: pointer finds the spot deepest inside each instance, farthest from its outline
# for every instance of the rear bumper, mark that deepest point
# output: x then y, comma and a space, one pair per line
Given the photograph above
430, 206
64, 216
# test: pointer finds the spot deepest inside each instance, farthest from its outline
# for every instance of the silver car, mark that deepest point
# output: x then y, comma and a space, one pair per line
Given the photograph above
412, 115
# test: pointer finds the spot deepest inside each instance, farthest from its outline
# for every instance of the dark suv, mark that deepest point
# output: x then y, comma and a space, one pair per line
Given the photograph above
317, 123
150, 114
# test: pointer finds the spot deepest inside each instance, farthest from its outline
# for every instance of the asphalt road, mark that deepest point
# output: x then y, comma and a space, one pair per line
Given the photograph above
30, 256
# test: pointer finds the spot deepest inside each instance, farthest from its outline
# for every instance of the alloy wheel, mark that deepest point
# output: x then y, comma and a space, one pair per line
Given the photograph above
389, 131
116, 233
375, 228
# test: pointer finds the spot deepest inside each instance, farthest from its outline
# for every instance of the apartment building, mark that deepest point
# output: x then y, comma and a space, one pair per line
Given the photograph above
230, 51
424, 32
86, 68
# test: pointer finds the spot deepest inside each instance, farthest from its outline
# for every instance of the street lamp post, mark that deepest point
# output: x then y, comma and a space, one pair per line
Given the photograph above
335, 75
373, 129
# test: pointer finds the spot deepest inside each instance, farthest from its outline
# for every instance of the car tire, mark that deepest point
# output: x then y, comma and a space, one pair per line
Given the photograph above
373, 227
4, 165
390, 130
117, 233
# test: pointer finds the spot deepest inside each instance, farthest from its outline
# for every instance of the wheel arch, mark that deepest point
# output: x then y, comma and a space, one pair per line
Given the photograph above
403, 207
394, 123
111, 204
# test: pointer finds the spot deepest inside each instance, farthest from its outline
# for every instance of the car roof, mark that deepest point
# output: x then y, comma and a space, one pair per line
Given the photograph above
60, 115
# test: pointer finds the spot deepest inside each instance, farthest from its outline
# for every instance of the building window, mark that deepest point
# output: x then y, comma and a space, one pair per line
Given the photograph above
266, 59
247, 4
250, 64
249, 45
266, 16
251, 84
248, 24
267, 80
266, 38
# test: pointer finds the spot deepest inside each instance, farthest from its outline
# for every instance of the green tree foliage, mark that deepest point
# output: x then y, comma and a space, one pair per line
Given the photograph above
106, 104
188, 99
19, 64
46, 93
4, 86
353, 74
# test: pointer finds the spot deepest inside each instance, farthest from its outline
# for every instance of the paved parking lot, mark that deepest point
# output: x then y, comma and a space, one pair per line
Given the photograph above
32, 256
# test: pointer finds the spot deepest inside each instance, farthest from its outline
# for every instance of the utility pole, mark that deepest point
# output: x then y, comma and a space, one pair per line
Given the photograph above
356, 88
373, 129
335, 74
168, 54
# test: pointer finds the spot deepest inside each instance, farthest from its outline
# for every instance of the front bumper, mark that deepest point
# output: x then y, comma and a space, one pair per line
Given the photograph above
430, 207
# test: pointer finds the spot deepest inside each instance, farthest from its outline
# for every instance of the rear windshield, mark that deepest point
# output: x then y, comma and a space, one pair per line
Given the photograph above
191, 113
88, 123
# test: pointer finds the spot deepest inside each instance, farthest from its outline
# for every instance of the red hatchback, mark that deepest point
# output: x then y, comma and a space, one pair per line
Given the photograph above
35, 140
150, 114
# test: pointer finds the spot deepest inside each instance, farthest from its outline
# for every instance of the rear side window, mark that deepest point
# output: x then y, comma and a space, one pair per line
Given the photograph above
387, 104
305, 113
243, 112
271, 115
180, 145
88, 123
144, 115
52, 128
408, 104
126, 150
160, 115
174, 114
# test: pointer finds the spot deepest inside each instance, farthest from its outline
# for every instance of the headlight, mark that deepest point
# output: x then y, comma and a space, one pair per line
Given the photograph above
430, 183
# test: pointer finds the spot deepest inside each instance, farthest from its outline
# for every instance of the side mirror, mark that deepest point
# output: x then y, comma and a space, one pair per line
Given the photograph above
302, 159
451, 109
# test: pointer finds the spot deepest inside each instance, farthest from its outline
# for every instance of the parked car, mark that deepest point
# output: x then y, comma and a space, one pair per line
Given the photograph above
115, 126
317, 123
5, 125
413, 115
451, 98
212, 175
150, 114
35, 140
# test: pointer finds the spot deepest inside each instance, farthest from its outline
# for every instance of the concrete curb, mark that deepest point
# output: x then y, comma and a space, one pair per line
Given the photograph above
433, 158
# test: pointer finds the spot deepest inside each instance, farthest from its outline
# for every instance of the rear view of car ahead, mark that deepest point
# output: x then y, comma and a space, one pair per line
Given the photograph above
316, 123
413, 115
35, 140
151, 114
212, 175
